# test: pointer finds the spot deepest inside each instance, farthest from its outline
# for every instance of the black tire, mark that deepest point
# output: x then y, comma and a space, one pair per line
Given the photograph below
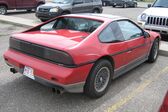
154, 51
3, 10
90, 88
96, 11
43, 20
113, 6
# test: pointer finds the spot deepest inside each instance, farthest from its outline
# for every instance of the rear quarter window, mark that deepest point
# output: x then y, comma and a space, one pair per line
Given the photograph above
111, 33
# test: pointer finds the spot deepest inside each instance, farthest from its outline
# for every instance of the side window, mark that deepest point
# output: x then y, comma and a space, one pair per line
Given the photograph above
129, 30
78, 1
88, 1
96, 0
111, 33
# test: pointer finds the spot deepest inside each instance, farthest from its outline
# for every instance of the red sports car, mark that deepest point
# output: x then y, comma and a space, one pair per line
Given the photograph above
82, 52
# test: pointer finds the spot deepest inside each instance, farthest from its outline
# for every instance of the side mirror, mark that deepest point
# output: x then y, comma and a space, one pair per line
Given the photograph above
77, 2
149, 5
146, 34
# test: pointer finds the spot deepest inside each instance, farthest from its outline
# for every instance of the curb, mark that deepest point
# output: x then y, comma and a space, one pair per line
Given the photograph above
163, 48
163, 52
18, 21
17, 24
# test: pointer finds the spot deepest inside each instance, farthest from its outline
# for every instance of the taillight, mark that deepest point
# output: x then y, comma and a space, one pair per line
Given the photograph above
43, 52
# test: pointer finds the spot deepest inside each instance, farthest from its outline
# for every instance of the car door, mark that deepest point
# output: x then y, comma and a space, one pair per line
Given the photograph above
29, 3
138, 45
114, 44
11, 4
19, 4
88, 4
130, 2
78, 6
120, 2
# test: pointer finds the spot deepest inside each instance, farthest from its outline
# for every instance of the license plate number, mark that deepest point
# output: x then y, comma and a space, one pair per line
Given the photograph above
28, 71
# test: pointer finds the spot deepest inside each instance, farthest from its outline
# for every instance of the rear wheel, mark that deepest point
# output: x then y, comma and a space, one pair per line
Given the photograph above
154, 51
99, 79
43, 20
96, 11
3, 10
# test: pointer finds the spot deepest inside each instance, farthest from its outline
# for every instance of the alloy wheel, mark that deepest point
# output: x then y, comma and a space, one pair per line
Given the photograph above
2, 11
102, 78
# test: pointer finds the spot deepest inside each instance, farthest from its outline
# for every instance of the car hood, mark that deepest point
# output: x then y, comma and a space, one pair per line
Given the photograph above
156, 11
52, 5
58, 39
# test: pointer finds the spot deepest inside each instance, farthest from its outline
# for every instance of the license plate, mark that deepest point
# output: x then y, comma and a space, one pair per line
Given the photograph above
28, 71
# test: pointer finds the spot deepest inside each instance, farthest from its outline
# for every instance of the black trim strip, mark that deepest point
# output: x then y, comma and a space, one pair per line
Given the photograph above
129, 49
68, 66
125, 68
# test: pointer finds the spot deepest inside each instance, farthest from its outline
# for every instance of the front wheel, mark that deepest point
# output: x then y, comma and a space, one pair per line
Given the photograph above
154, 51
96, 11
99, 79
3, 10
43, 20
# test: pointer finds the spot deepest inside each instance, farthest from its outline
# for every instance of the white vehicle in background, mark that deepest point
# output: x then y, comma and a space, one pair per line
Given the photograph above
155, 18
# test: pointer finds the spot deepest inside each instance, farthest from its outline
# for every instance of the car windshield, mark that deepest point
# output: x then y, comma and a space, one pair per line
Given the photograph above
76, 24
161, 3
60, 1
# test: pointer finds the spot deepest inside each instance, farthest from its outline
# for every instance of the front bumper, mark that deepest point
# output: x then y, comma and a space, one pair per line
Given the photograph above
155, 28
52, 75
159, 29
47, 15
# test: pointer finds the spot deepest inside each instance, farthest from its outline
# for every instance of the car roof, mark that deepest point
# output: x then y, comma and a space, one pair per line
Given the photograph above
102, 17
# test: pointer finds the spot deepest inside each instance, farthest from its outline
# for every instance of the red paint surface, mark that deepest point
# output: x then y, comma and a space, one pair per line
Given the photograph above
164, 107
